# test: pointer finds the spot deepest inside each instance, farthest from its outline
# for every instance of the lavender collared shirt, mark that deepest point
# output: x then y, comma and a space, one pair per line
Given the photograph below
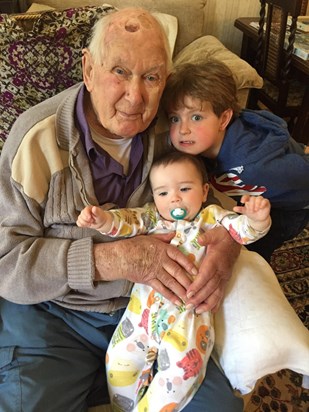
111, 185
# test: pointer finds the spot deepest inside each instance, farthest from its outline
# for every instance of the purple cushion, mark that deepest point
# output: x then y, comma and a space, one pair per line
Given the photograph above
36, 64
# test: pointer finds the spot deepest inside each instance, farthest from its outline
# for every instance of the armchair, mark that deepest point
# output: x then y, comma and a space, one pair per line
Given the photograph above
190, 38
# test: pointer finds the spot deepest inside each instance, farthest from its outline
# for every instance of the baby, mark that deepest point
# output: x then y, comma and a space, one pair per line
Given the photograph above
158, 355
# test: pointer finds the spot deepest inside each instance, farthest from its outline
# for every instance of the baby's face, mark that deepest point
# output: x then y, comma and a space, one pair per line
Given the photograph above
178, 186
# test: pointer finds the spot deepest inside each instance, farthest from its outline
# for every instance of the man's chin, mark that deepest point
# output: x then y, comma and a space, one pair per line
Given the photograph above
129, 130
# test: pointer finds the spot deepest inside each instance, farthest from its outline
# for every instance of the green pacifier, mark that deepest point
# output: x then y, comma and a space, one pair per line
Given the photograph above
178, 213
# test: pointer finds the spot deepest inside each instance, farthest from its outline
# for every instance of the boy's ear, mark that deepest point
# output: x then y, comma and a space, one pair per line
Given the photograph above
225, 118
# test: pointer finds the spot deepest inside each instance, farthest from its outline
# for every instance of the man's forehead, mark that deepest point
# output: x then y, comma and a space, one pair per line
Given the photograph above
134, 22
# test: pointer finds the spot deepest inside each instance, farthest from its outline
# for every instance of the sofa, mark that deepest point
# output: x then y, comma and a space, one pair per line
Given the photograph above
40, 55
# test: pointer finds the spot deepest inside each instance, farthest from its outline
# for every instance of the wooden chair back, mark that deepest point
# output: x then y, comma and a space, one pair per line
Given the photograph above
274, 53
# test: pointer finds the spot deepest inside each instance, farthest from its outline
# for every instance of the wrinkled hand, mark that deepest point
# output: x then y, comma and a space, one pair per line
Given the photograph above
207, 290
149, 260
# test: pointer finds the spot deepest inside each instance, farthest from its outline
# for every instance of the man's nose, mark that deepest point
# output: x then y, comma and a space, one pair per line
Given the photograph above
135, 91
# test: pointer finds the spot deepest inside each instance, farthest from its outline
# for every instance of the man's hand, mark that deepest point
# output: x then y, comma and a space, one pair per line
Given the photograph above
149, 260
207, 290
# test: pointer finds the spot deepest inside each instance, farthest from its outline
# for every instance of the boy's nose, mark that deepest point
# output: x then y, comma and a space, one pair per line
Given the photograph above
184, 128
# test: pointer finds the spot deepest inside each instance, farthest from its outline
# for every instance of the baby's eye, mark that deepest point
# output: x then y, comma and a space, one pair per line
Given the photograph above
196, 117
185, 189
162, 194
173, 119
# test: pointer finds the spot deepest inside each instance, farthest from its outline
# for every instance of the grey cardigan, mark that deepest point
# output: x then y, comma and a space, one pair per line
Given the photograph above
45, 182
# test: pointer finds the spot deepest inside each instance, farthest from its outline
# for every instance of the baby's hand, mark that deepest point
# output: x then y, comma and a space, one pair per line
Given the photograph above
256, 208
86, 217
95, 218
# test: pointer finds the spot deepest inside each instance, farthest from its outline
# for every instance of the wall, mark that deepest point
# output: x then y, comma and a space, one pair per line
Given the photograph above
221, 15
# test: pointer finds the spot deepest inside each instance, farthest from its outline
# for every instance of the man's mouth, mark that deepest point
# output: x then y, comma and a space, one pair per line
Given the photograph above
129, 116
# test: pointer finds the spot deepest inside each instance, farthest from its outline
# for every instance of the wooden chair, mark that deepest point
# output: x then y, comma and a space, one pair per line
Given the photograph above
282, 93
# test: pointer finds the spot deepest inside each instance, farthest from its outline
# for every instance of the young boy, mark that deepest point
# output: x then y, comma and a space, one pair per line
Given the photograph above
246, 152
154, 332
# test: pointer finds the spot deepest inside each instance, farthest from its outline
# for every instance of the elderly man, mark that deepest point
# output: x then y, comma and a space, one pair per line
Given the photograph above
63, 289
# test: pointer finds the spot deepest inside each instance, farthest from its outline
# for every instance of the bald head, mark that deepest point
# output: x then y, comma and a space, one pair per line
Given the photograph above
127, 26
132, 21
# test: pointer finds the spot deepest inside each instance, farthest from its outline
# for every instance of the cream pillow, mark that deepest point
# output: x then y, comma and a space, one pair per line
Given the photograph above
257, 330
209, 47
170, 25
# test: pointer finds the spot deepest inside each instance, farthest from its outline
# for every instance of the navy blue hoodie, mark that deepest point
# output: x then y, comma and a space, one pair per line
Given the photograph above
258, 156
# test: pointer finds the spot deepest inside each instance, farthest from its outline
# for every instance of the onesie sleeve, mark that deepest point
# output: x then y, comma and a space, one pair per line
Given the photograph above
237, 225
129, 222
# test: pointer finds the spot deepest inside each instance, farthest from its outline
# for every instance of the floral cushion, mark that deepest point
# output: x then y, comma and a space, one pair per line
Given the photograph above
39, 62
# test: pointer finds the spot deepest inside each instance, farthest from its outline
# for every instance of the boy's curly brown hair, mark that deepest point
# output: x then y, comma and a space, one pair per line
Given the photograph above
210, 81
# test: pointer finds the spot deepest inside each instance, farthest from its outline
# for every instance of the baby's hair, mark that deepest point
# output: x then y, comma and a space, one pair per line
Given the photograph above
180, 157
210, 81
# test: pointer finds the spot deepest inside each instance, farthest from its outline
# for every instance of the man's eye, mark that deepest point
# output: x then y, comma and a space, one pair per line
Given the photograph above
119, 71
196, 117
152, 78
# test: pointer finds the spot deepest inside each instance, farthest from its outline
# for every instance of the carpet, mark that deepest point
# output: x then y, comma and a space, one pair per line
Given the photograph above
283, 391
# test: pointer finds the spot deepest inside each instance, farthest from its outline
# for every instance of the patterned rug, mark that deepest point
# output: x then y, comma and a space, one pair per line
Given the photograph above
282, 391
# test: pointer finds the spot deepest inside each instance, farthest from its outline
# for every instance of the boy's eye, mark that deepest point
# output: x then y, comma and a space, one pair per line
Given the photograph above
196, 117
173, 119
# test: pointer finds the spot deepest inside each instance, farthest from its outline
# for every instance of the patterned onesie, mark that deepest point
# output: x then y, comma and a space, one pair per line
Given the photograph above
158, 354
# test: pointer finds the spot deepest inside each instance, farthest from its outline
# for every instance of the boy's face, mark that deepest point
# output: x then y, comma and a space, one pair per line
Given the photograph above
178, 185
196, 129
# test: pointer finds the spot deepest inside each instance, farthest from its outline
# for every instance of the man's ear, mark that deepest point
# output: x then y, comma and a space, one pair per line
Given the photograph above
87, 63
225, 118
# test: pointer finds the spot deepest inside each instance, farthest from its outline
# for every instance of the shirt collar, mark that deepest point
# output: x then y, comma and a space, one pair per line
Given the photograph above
82, 123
